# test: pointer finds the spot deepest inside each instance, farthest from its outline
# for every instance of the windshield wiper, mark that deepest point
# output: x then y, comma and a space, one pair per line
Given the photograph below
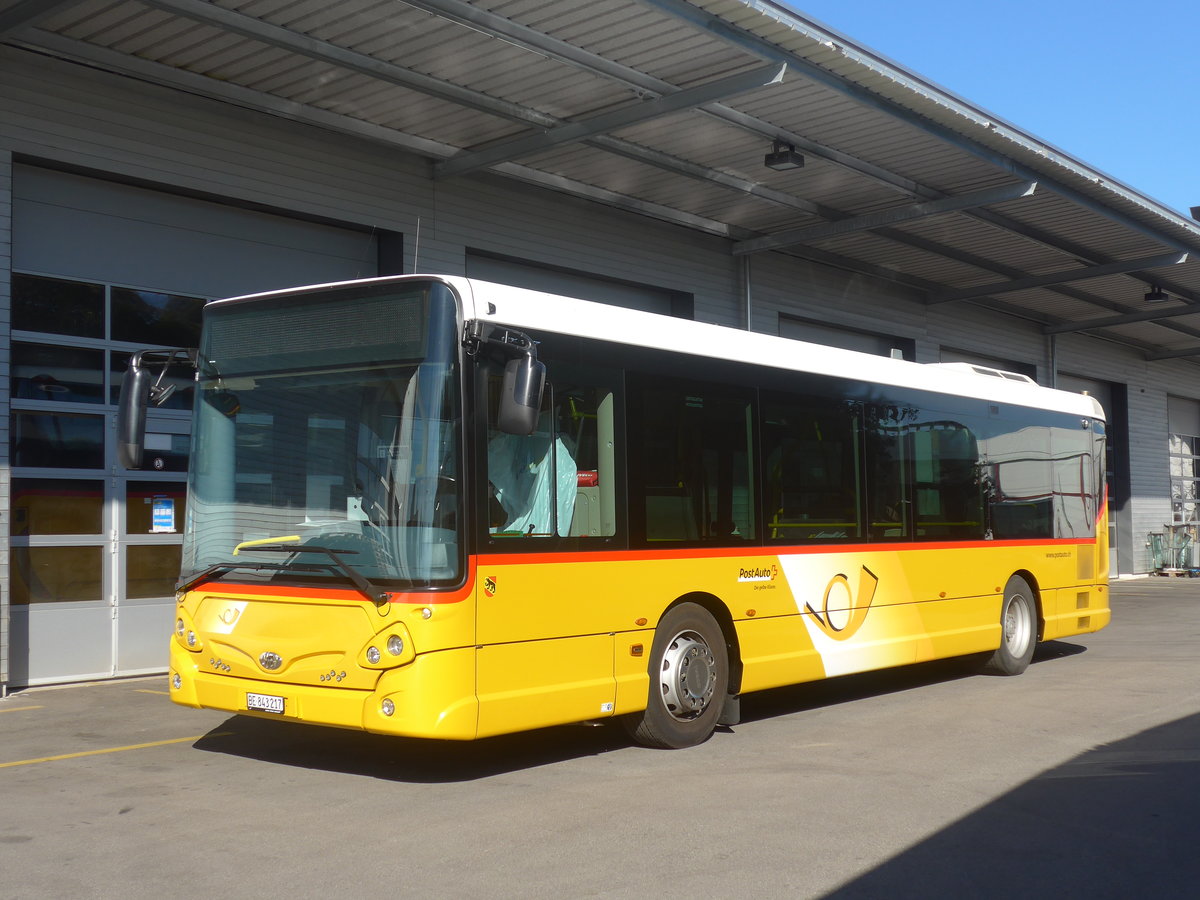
373, 593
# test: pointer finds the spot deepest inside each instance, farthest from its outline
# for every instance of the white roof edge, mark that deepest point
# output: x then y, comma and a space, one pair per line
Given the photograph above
536, 310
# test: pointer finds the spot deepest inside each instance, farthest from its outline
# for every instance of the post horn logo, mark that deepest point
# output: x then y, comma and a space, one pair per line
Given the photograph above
849, 608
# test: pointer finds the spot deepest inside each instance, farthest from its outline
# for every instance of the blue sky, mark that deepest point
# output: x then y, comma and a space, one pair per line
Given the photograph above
1113, 84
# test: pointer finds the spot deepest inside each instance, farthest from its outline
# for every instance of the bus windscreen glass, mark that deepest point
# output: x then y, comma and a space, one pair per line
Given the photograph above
329, 419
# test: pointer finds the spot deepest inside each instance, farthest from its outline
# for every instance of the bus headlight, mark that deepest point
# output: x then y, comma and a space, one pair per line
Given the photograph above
179, 627
397, 643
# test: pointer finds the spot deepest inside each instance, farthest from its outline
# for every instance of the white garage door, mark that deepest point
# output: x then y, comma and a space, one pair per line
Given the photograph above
101, 269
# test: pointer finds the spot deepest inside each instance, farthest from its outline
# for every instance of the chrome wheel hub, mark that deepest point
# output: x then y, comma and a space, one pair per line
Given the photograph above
689, 675
1018, 625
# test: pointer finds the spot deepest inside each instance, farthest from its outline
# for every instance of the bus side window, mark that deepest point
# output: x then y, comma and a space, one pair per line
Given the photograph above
811, 469
560, 480
585, 425
888, 475
525, 474
694, 461
948, 486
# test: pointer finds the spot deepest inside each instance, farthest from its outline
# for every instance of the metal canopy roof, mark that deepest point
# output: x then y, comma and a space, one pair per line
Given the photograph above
667, 108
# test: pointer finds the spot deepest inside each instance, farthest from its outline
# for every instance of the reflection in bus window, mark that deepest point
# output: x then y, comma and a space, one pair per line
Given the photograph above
946, 483
1017, 482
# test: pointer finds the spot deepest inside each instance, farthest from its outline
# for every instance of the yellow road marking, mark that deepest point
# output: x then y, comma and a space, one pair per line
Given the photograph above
43, 759
145, 691
19, 708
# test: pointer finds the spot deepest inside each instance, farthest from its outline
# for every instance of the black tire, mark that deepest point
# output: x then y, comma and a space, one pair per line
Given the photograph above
1018, 630
689, 678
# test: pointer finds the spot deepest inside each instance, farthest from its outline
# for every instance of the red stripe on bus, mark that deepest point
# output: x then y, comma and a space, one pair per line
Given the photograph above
496, 559
281, 592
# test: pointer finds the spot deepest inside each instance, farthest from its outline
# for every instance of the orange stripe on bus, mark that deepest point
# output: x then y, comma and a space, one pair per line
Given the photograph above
424, 598
495, 559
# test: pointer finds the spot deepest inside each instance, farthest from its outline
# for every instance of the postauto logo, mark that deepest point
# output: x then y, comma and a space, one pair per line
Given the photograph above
758, 573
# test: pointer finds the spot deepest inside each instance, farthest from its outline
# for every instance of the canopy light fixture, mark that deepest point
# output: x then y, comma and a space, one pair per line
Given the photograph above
1156, 295
783, 157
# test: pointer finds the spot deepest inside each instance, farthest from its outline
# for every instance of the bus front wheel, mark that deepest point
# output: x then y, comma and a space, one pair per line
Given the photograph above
689, 677
1018, 630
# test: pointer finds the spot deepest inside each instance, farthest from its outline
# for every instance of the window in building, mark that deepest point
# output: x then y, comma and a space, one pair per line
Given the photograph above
57, 306
72, 341
42, 506
154, 319
57, 440
1183, 457
49, 373
56, 574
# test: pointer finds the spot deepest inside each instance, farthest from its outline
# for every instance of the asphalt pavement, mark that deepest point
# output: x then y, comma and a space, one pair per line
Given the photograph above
1079, 778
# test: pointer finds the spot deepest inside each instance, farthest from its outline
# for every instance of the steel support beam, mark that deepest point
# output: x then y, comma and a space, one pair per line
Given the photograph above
1173, 354
1146, 315
286, 39
1079, 274
26, 13
714, 25
490, 23
885, 218
613, 120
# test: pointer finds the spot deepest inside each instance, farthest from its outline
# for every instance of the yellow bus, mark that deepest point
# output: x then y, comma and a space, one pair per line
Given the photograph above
441, 508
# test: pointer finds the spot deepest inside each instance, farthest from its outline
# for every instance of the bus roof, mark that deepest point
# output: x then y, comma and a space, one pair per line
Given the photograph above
535, 310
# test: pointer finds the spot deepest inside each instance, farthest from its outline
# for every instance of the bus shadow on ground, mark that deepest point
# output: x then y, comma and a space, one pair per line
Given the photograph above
800, 697
1118, 821
416, 761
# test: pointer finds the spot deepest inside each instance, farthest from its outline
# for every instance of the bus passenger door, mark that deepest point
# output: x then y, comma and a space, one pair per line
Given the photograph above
545, 643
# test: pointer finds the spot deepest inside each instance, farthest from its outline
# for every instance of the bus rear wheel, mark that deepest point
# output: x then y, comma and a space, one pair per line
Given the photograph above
689, 677
1018, 627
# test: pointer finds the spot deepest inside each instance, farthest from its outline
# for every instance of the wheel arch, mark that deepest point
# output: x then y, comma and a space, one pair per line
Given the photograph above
724, 619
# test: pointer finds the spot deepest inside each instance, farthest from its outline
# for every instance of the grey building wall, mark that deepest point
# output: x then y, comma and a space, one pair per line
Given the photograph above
55, 113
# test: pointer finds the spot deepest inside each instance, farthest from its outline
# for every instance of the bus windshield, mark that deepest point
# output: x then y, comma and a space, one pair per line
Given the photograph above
329, 420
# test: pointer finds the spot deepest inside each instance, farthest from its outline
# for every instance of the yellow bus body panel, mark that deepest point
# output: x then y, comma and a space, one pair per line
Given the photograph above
542, 639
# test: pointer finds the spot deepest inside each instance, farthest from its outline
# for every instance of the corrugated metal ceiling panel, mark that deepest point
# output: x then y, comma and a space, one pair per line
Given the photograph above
893, 159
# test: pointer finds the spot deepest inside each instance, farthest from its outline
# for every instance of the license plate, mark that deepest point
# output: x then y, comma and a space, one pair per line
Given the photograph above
264, 703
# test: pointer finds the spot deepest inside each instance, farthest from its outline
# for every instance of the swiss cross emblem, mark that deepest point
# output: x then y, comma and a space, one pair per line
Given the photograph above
489, 586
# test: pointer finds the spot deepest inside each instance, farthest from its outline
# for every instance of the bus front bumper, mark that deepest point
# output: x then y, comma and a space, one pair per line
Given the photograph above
431, 697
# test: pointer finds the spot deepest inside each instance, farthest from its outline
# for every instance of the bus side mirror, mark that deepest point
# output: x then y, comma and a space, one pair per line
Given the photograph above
131, 414
139, 389
521, 395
